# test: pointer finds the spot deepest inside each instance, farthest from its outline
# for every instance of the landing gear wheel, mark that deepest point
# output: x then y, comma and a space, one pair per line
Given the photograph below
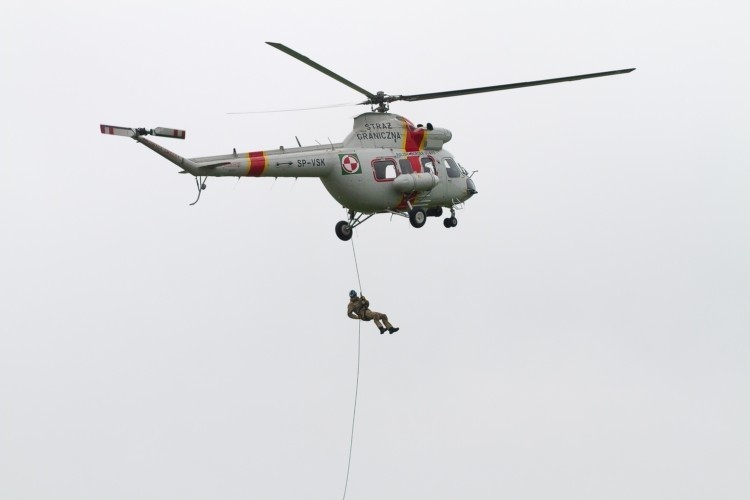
450, 222
417, 217
343, 230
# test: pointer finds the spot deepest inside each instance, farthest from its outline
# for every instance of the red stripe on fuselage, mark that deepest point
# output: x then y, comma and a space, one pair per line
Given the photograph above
414, 138
257, 161
416, 165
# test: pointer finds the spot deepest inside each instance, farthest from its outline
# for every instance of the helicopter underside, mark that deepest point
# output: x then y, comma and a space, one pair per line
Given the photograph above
416, 185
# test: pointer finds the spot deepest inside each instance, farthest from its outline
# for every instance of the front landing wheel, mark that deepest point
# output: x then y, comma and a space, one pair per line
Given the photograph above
343, 230
450, 222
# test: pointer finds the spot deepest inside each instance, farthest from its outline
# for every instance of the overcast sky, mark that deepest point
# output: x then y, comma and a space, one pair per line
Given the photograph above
582, 333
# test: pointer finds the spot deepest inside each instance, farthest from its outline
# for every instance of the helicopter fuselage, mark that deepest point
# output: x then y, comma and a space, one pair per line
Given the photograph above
385, 164
364, 180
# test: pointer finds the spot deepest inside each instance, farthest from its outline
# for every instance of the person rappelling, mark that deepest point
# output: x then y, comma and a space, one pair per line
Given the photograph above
359, 309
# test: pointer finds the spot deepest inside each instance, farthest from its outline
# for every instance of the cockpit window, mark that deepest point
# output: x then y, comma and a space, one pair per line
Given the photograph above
428, 165
385, 170
451, 168
405, 165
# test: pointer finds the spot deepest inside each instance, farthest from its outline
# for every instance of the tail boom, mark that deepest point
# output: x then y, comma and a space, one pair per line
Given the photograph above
137, 135
311, 161
183, 163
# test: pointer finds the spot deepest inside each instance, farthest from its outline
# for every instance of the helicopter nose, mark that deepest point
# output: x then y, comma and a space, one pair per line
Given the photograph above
471, 188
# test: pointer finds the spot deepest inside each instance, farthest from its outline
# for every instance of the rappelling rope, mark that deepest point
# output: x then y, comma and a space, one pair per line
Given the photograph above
356, 385
356, 266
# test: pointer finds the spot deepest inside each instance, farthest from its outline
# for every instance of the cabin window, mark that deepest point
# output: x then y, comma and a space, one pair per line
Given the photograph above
451, 168
428, 164
385, 170
405, 165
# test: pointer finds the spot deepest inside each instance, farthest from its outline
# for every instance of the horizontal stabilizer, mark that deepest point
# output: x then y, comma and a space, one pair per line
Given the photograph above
112, 130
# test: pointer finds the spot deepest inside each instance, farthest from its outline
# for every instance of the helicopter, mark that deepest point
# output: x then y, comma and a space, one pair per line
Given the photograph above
385, 165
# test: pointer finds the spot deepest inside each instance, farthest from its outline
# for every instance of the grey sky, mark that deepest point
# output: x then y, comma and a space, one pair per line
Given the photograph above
582, 333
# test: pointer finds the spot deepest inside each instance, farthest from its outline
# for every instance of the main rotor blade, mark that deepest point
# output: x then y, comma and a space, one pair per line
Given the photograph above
479, 90
320, 68
327, 106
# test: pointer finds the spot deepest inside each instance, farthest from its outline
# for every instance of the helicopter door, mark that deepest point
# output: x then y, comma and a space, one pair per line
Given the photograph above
416, 165
410, 165
428, 165
404, 165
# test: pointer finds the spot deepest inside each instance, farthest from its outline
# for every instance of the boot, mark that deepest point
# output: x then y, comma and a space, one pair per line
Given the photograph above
382, 330
393, 329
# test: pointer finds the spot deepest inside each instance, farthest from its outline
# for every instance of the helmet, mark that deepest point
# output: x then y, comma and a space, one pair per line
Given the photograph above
353, 294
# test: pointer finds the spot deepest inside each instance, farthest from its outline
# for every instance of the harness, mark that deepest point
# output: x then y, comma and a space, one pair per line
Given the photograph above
362, 309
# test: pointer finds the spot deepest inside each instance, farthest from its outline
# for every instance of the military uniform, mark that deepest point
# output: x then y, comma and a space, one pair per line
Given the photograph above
358, 309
